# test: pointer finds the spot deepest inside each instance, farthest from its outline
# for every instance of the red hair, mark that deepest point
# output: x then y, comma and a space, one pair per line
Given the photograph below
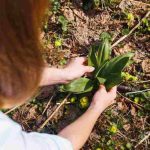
21, 62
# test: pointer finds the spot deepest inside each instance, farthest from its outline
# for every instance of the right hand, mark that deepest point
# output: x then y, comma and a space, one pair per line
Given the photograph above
102, 99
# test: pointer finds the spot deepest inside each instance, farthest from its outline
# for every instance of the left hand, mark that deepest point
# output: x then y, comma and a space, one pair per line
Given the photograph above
76, 68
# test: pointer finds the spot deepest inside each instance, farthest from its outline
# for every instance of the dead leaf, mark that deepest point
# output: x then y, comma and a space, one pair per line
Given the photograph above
68, 13
133, 111
125, 49
122, 106
126, 127
146, 65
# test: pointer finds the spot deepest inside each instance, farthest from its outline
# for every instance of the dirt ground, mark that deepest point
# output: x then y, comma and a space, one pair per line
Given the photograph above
124, 124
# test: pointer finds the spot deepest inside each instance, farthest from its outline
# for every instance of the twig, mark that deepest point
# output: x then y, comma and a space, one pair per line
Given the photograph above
132, 30
142, 82
48, 104
138, 105
120, 133
9, 111
140, 3
52, 115
145, 138
128, 93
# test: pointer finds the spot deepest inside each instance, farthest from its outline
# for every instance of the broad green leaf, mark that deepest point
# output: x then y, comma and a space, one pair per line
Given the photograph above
104, 49
92, 57
111, 70
100, 53
101, 80
105, 35
81, 85
103, 52
113, 80
97, 72
115, 65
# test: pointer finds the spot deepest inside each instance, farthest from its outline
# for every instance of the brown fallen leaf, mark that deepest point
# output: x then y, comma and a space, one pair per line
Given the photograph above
133, 111
126, 127
146, 65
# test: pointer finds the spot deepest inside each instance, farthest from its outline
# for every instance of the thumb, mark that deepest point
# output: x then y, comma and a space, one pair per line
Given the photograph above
89, 69
102, 88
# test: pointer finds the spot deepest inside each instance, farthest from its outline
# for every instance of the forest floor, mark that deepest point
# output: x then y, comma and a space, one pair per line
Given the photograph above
70, 30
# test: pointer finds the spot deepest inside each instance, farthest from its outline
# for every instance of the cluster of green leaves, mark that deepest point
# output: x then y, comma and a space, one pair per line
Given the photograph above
128, 77
145, 26
107, 71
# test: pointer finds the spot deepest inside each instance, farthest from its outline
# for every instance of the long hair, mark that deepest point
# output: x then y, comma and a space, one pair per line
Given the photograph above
21, 62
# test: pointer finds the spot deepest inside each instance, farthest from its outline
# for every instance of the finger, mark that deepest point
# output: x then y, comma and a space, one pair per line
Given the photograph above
89, 69
102, 87
80, 59
113, 90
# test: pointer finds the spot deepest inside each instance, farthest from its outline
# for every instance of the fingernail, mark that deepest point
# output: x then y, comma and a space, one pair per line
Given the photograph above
92, 68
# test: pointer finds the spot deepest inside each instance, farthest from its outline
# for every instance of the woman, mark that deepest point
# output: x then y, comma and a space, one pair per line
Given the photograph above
22, 70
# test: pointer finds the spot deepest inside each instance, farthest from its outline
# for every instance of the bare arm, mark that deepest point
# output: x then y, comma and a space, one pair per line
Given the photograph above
79, 131
73, 70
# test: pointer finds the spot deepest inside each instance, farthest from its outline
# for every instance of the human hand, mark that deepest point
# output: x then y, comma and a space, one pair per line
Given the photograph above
102, 99
76, 68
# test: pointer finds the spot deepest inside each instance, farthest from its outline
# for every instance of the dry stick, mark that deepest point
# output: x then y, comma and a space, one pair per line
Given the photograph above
47, 104
9, 111
141, 3
145, 138
132, 30
142, 82
146, 90
52, 115
138, 105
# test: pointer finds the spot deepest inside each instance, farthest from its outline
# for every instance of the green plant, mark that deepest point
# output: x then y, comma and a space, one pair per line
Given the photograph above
145, 26
107, 70
56, 5
113, 129
64, 23
58, 42
130, 18
84, 102
128, 77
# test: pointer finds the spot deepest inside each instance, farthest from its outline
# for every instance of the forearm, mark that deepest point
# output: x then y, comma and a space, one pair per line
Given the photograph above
78, 132
52, 76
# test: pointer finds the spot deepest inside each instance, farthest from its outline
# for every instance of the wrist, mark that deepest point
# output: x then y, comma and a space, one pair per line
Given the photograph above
63, 75
67, 74
53, 76
95, 108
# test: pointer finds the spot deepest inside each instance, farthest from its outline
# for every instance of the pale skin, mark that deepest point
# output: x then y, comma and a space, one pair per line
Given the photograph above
101, 100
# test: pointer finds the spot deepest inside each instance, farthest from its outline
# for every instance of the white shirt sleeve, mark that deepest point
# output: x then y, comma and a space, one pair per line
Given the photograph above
13, 138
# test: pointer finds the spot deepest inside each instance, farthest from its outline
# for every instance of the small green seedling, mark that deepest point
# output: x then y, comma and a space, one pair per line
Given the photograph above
113, 129
128, 77
107, 71
136, 100
64, 23
129, 145
130, 18
73, 99
96, 3
58, 42
84, 102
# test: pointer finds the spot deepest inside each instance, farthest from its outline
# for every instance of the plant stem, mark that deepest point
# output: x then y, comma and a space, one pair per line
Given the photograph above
137, 92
